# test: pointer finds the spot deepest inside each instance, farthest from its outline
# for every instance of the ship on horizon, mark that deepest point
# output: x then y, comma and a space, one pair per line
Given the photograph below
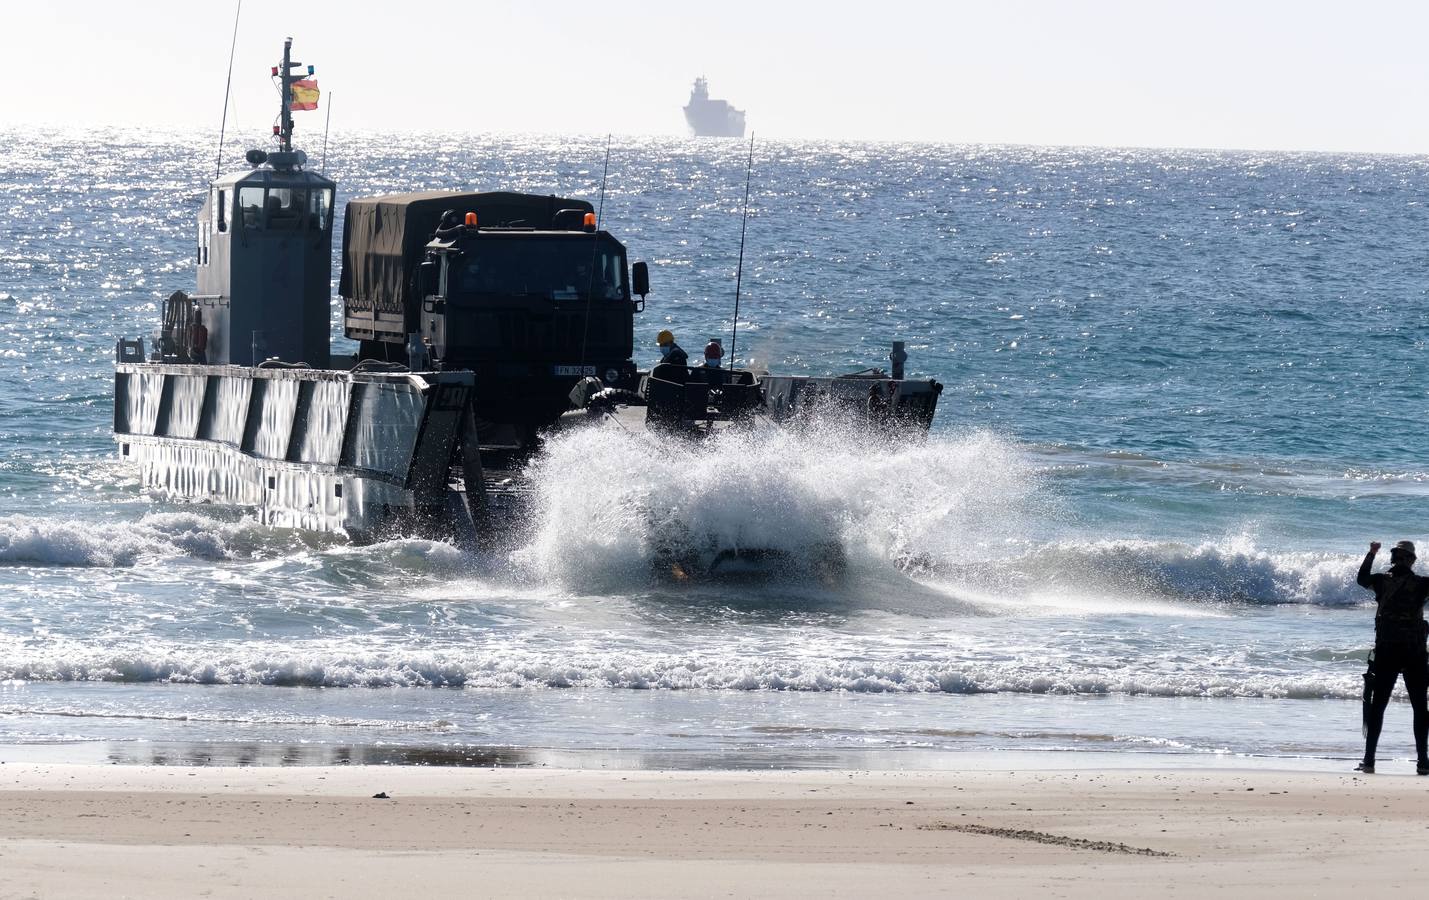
712, 118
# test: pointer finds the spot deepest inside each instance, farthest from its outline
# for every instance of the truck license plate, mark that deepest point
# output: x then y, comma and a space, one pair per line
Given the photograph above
575, 370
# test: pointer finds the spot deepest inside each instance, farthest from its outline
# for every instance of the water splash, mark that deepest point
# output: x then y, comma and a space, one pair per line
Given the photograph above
610, 503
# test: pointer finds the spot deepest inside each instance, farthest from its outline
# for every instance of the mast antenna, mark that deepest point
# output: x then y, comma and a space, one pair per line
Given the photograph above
285, 81
227, 90
739, 270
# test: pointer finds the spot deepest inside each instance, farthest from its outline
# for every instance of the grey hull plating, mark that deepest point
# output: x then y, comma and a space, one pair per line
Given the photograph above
355, 454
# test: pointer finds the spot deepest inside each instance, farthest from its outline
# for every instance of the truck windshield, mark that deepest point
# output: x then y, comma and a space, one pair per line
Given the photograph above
558, 268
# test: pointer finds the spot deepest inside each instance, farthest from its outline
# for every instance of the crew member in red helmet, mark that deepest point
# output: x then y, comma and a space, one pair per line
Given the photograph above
713, 354
713, 375
198, 340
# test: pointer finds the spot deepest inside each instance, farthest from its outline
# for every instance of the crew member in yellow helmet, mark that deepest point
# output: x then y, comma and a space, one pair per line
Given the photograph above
670, 351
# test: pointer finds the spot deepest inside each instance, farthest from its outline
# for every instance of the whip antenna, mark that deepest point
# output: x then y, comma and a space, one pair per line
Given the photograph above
227, 89
322, 166
600, 207
739, 271
595, 245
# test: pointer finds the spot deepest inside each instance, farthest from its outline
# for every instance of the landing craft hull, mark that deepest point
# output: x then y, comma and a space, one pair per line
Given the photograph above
359, 455
370, 455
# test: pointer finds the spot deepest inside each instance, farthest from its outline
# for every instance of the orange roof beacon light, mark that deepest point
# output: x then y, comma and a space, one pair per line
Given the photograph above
590, 221
471, 220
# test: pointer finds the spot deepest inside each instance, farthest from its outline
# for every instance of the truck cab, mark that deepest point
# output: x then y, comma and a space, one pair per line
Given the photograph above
530, 312
523, 290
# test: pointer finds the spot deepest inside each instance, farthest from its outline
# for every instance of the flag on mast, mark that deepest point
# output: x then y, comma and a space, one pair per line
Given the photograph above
305, 94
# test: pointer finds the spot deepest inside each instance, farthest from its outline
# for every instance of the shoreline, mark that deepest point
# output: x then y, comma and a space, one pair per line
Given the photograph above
309, 755
169, 831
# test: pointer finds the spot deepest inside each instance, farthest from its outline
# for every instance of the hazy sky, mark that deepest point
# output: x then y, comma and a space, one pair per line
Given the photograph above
1269, 74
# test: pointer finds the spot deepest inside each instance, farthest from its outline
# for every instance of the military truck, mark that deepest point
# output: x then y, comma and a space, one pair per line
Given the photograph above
522, 290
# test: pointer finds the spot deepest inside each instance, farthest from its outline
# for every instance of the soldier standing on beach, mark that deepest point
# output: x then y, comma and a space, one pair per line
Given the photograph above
1399, 633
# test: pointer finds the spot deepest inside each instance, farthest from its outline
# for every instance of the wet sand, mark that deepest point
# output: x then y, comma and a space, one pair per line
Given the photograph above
84, 831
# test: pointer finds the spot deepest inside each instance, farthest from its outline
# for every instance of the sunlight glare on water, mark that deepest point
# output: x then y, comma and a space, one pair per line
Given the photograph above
1152, 471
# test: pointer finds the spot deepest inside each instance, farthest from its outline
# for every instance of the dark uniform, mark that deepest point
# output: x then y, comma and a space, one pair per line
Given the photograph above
677, 356
670, 352
198, 341
1399, 632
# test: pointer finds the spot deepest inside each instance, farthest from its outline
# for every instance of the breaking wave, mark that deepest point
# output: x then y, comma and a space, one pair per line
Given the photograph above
631, 669
29, 540
69, 543
898, 531
1225, 572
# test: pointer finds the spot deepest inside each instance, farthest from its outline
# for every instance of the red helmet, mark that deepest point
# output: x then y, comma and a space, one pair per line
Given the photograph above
714, 350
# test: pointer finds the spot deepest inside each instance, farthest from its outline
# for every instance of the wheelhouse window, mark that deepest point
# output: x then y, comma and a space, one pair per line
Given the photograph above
320, 208
287, 208
297, 208
250, 207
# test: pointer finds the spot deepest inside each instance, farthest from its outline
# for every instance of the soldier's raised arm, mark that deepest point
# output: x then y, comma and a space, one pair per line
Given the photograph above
1363, 578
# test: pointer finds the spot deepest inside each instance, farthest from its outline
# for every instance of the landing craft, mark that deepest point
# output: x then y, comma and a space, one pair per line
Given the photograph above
485, 321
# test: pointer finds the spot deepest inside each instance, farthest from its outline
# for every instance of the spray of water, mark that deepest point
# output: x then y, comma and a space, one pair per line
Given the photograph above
953, 522
611, 503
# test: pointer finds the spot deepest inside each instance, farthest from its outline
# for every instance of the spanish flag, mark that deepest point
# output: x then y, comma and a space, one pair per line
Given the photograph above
305, 94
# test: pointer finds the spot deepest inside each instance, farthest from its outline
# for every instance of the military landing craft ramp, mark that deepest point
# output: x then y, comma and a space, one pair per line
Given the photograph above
361, 454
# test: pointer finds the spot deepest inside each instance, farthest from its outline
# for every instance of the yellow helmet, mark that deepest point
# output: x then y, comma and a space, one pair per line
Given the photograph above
665, 337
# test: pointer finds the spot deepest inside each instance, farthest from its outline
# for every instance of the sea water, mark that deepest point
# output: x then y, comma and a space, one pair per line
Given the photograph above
1182, 393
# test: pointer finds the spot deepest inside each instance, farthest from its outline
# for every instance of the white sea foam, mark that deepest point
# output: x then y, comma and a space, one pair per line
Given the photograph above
409, 555
202, 535
28, 540
1228, 571
608, 501
77, 712
927, 511
516, 668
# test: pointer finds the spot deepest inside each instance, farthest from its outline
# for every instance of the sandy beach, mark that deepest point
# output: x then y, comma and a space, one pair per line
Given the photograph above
149, 831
